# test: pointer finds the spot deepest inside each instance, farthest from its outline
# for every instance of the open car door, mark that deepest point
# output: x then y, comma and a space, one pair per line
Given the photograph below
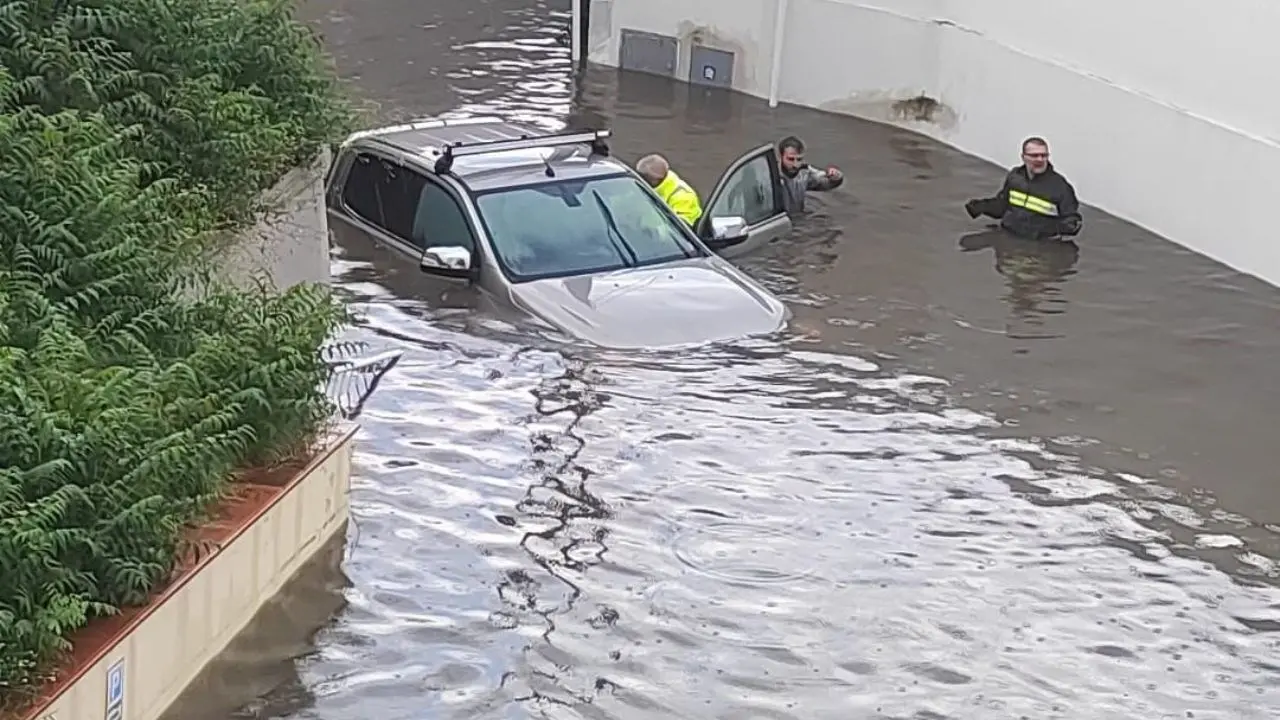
747, 208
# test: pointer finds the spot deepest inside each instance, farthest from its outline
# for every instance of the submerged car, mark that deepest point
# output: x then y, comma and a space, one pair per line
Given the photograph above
554, 227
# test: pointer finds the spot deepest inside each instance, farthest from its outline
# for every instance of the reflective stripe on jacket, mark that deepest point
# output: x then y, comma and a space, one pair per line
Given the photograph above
1038, 206
681, 198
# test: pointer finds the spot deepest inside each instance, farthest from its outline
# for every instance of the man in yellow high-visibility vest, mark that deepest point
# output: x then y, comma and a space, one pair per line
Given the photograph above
676, 193
1035, 201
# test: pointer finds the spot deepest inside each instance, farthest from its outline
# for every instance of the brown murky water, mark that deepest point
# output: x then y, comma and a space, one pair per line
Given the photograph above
993, 482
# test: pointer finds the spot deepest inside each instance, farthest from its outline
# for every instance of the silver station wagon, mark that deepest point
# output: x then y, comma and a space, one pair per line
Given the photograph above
554, 227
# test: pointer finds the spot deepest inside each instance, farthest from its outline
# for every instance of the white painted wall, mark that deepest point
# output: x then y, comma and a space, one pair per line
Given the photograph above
1159, 111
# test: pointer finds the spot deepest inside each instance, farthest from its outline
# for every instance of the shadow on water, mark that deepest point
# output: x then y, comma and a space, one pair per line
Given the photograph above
1035, 272
980, 479
257, 675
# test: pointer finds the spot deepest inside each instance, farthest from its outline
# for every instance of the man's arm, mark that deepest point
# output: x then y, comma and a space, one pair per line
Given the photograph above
993, 207
816, 180
1069, 219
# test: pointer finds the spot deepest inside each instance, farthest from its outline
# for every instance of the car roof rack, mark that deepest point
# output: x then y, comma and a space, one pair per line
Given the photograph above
449, 151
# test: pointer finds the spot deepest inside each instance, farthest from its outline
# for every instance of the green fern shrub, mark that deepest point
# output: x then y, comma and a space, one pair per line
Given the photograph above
230, 93
132, 131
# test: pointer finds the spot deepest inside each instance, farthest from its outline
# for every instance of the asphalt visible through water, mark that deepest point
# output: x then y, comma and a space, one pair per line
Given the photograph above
989, 483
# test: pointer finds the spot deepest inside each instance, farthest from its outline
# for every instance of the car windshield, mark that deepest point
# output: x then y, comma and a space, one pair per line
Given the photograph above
574, 227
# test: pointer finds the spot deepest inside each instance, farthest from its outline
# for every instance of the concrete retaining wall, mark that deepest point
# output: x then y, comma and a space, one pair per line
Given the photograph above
290, 244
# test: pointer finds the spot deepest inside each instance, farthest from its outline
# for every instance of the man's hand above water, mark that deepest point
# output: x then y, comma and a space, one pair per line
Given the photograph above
1070, 226
822, 180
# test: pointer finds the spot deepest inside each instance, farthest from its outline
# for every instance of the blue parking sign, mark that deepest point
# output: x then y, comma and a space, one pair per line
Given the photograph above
115, 687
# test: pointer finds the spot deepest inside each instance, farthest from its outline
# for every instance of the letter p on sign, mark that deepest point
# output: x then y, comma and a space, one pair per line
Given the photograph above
115, 691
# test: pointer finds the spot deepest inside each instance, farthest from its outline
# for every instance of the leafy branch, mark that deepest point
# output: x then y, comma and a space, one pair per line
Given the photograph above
133, 132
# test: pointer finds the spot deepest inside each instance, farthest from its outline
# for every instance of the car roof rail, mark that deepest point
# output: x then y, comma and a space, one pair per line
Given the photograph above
449, 151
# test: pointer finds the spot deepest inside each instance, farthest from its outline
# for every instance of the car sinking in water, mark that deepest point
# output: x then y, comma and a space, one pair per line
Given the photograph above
557, 229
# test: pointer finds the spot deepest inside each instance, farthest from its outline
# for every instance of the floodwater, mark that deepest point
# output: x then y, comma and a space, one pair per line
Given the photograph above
976, 481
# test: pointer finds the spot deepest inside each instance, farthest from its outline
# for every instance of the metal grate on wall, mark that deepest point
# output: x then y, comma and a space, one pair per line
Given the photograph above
647, 52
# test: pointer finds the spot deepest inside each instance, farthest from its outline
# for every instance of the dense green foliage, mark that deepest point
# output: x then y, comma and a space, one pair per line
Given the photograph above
230, 93
130, 131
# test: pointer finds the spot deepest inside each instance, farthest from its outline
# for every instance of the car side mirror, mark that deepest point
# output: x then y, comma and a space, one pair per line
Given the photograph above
728, 228
451, 261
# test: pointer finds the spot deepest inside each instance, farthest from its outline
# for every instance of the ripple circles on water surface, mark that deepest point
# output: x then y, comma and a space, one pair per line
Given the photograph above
744, 553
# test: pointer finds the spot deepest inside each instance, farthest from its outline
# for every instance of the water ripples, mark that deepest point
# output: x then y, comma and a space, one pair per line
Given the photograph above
529, 58
807, 527
763, 531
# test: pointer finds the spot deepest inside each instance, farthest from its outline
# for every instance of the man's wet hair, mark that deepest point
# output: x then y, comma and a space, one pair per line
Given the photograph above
1035, 140
790, 142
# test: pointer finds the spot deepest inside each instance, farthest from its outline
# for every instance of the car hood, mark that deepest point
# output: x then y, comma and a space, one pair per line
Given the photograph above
682, 303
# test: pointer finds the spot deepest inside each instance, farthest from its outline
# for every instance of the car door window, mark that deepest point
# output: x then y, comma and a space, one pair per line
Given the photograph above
750, 189
400, 198
385, 194
440, 220
748, 193
361, 192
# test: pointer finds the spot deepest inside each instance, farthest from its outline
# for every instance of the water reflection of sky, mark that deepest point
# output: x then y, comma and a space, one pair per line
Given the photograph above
762, 531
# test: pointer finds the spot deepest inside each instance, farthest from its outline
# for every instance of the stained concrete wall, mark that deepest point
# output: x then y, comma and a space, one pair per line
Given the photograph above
1158, 110
290, 243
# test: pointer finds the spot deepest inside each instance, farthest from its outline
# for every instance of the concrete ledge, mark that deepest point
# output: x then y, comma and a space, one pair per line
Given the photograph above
134, 665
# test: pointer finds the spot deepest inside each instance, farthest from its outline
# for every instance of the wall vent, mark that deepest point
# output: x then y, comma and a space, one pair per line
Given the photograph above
647, 52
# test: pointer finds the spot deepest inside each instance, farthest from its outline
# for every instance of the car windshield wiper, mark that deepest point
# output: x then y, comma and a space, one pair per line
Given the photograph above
620, 243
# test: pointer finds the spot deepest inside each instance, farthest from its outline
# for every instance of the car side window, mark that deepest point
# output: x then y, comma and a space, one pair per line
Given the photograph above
400, 200
384, 193
440, 220
362, 191
749, 193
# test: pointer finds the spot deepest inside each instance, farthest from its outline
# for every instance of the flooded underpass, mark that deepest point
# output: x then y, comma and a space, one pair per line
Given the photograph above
975, 481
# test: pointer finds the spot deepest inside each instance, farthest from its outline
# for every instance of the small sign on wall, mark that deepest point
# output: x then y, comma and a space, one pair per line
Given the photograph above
710, 66
115, 691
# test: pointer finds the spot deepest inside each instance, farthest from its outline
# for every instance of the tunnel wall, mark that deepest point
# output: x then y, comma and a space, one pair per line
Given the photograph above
1159, 111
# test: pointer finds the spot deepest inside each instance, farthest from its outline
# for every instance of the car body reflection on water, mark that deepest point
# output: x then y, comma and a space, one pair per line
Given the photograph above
556, 229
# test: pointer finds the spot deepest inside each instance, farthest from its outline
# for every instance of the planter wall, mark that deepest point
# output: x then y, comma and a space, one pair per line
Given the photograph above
134, 665
257, 674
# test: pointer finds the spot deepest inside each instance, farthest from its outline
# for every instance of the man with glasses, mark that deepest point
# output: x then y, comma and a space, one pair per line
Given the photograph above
1035, 202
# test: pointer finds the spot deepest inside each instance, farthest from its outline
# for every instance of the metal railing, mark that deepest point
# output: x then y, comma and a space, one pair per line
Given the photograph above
353, 379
